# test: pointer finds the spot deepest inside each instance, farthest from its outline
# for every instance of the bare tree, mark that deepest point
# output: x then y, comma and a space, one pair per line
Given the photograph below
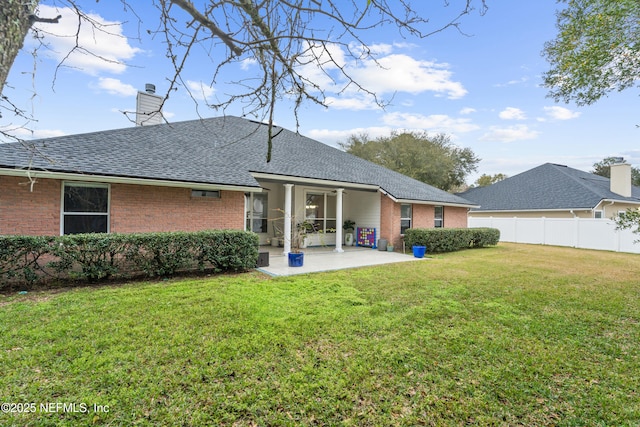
283, 37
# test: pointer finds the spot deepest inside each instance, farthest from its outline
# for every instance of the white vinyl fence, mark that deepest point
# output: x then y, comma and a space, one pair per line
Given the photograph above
585, 233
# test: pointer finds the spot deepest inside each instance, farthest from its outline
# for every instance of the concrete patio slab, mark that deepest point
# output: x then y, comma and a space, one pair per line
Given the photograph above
324, 259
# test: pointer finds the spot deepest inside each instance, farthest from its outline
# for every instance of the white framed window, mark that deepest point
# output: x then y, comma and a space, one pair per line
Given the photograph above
438, 217
320, 210
598, 214
85, 208
256, 210
405, 217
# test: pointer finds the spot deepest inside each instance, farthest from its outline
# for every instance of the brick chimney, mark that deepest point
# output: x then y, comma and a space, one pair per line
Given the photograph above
620, 181
148, 107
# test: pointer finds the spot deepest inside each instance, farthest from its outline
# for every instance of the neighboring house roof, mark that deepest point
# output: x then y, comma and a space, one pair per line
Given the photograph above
547, 187
219, 151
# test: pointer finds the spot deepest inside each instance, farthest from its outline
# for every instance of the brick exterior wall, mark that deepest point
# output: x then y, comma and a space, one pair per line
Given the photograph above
389, 220
133, 208
423, 216
455, 217
138, 208
34, 213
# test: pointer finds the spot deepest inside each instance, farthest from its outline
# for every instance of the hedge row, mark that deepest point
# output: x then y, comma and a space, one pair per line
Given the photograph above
93, 257
451, 239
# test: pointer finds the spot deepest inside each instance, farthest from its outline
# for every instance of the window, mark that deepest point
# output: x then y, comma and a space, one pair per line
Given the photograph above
256, 212
405, 218
438, 216
598, 214
209, 194
320, 210
85, 208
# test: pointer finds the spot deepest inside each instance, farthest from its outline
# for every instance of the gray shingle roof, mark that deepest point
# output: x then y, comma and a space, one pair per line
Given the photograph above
546, 187
221, 150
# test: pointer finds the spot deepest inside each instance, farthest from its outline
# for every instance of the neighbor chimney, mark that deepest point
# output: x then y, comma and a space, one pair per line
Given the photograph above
620, 182
148, 107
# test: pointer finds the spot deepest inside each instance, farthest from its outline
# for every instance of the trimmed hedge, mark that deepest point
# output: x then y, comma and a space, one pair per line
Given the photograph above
451, 239
27, 260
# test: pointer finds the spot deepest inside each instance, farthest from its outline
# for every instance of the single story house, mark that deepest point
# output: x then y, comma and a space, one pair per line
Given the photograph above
556, 191
209, 174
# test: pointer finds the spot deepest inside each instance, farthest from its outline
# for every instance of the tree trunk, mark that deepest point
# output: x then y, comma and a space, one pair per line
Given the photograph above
15, 21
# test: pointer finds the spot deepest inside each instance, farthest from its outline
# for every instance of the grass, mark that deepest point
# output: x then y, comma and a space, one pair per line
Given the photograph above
511, 335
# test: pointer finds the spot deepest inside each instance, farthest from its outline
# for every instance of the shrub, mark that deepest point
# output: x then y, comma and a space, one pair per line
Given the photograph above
22, 258
87, 256
93, 257
484, 236
451, 239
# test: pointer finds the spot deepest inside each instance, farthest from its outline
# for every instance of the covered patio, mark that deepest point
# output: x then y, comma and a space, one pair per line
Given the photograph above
326, 259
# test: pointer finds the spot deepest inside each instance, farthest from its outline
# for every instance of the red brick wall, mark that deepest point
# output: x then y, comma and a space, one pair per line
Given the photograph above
455, 217
134, 208
422, 217
389, 220
138, 208
25, 212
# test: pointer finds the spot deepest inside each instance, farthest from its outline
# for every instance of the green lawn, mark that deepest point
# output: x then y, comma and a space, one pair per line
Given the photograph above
511, 335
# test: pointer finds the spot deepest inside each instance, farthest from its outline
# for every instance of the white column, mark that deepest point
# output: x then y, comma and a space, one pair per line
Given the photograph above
287, 218
339, 220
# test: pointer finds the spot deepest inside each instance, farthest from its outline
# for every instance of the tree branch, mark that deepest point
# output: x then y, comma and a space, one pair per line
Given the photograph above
188, 7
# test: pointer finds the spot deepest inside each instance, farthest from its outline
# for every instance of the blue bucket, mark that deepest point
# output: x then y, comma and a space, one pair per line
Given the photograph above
418, 251
296, 260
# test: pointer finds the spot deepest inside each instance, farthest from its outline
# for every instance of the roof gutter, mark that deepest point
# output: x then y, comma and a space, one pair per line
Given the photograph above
531, 210
612, 201
437, 203
35, 174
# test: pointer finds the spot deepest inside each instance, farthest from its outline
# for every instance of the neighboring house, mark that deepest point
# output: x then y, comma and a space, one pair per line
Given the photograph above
556, 191
209, 174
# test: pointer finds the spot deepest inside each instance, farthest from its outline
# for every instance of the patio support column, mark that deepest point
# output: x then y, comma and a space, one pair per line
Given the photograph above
287, 218
339, 220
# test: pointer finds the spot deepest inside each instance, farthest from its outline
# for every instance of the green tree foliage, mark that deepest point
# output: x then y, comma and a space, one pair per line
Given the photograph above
486, 180
431, 159
603, 168
629, 219
597, 50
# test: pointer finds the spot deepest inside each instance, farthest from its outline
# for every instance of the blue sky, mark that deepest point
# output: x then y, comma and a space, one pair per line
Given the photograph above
482, 88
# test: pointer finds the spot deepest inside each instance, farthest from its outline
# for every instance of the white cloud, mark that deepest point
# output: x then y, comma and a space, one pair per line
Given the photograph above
116, 87
356, 103
391, 73
521, 80
247, 63
375, 49
509, 134
199, 90
561, 113
103, 47
431, 123
402, 73
397, 121
468, 110
512, 113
